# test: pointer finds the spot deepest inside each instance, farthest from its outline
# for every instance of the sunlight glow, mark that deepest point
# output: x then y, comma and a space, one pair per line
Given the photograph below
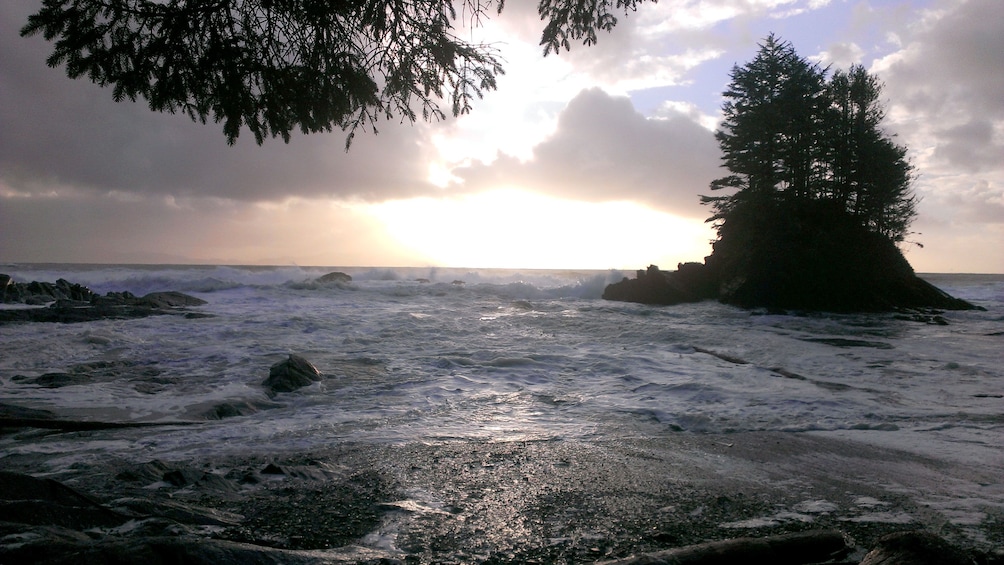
511, 228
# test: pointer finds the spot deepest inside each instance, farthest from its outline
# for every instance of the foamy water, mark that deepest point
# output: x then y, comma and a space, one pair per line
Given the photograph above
505, 355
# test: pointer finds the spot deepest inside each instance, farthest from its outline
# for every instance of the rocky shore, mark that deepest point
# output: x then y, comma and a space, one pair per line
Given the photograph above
66, 302
658, 496
653, 496
794, 258
692, 282
681, 498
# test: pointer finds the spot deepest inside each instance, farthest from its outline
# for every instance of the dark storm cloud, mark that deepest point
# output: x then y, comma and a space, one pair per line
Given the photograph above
58, 131
971, 146
945, 89
953, 72
604, 150
100, 228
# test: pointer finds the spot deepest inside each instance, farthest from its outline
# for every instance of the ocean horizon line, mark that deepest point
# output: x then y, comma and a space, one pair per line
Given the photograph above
90, 264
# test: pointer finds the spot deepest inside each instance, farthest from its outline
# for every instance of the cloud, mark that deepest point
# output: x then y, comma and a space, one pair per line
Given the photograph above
604, 150
84, 178
840, 55
58, 131
109, 229
972, 201
944, 87
946, 84
970, 146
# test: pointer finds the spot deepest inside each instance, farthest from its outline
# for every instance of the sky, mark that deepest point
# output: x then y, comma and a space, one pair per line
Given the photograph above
591, 159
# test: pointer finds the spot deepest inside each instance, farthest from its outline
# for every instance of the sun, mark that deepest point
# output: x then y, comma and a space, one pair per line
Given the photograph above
513, 228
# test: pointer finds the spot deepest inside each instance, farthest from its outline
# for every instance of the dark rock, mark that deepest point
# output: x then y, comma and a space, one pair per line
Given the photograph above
272, 469
291, 374
186, 477
73, 291
170, 299
691, 282
44, 521
144, 473
915, 548
71, 303
28, 500
155, 471
59, 380
523, 305
335, 277
38, 293
235, 409
176, 511
181, 478
795, 256
805, 256
5, 284
114, 299
68, 315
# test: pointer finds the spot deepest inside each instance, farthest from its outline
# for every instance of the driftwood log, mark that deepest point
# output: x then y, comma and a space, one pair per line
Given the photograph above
915, 548
786, 549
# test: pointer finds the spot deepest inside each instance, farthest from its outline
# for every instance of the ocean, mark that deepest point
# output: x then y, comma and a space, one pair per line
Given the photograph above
436, 355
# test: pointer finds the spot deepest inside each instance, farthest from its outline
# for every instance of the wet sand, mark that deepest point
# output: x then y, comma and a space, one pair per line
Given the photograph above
476, 501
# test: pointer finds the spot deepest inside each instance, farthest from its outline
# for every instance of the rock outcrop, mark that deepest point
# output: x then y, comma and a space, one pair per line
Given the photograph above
335, 277
799, 257
38, 293
163, 513
69, 302
689, 283
45, 521
290, 374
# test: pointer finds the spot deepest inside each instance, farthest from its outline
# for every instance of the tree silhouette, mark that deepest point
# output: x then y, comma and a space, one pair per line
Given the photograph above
790, 136
870, 175
770, 128
275, 66
819, 199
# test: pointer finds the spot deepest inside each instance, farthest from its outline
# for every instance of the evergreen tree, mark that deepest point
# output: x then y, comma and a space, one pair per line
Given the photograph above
870, 175
770, 132
884, 202
790, 137
274, 66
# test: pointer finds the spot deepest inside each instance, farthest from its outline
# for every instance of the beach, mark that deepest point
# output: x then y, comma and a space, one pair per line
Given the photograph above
527, 501
486, 417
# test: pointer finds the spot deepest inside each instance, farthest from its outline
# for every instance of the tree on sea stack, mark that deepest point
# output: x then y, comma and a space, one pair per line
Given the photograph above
789, 135
275, 66
820, 198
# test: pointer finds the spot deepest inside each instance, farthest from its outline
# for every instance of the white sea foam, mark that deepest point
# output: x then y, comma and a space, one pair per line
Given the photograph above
505, 355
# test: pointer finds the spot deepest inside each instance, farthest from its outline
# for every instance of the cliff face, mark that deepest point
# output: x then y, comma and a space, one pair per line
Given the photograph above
808, 259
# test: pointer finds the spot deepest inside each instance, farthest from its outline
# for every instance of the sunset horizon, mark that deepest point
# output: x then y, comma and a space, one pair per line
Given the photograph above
593, 158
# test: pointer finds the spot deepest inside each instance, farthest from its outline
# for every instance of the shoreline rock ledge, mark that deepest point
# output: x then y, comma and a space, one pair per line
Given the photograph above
695, 282
71, 302
795, 260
